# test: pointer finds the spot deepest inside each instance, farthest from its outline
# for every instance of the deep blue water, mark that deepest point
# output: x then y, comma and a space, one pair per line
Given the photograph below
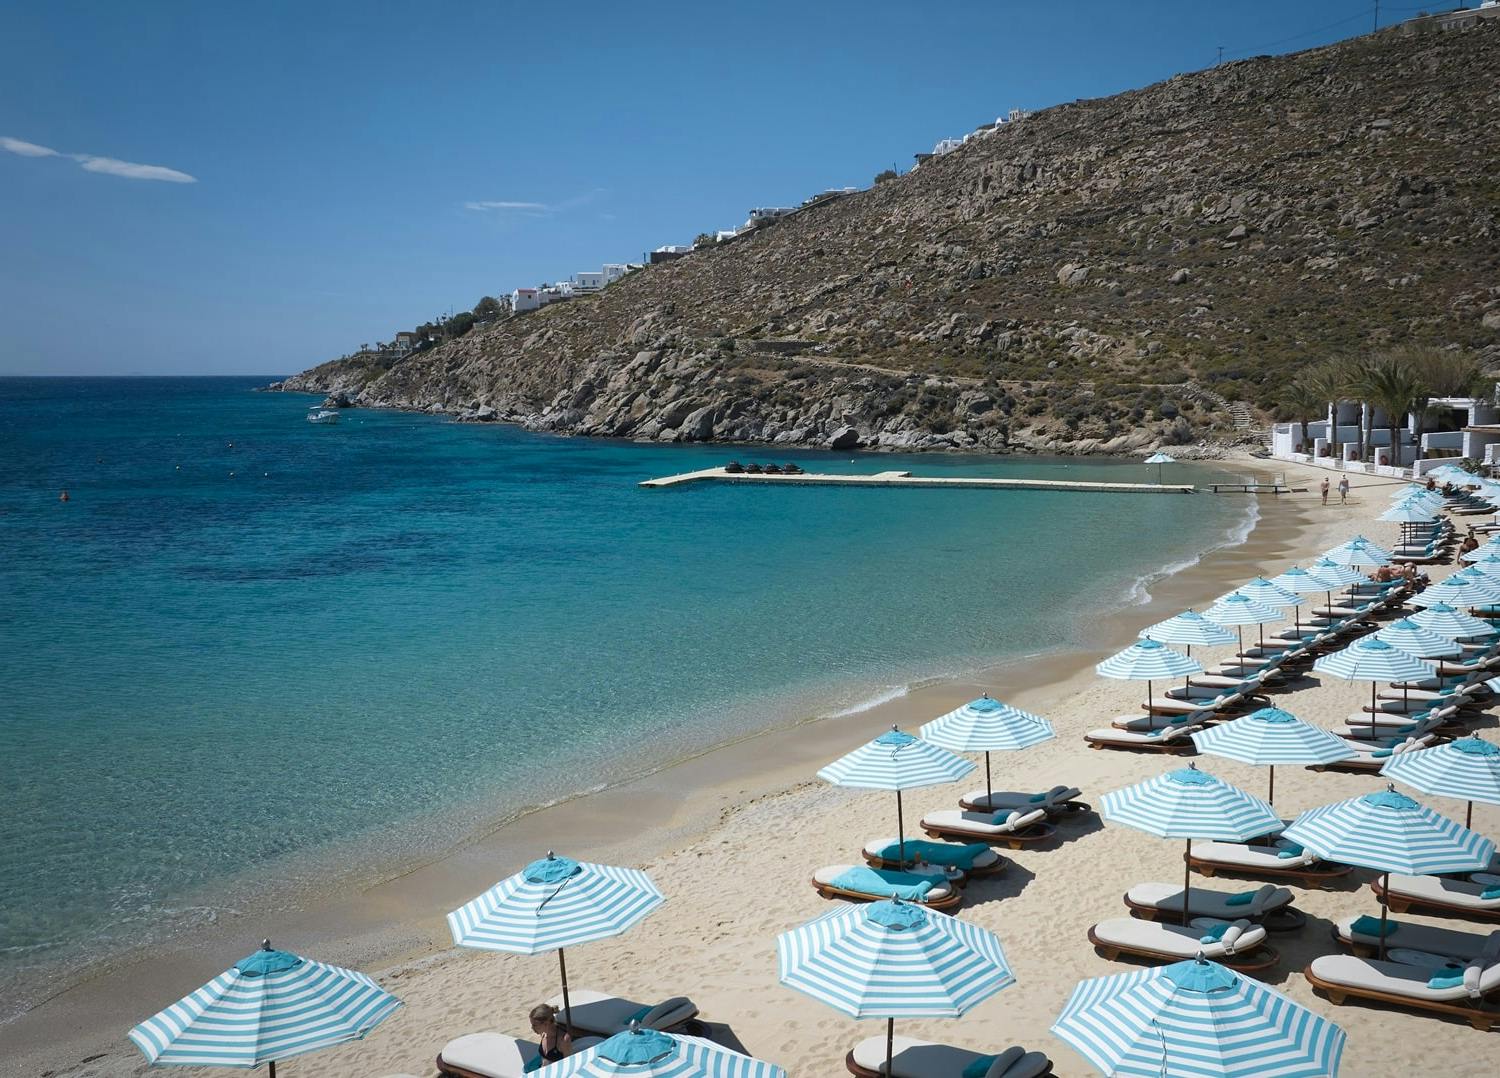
252, 643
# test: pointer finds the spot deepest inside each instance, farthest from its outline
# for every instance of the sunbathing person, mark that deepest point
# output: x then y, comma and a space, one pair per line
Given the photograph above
554, 1041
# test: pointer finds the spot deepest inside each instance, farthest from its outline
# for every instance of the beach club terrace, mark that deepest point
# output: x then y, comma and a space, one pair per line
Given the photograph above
1449, 428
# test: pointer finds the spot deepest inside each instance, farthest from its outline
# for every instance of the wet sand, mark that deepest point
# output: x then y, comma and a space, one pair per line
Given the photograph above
731, 836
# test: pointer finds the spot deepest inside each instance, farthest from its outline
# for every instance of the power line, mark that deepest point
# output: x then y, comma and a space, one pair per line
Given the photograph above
1298, 37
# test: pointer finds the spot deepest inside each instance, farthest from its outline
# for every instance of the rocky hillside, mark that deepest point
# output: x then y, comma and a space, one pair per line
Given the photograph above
1103, 274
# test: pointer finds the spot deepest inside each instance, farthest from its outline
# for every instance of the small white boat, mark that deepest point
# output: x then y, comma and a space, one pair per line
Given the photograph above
323, 415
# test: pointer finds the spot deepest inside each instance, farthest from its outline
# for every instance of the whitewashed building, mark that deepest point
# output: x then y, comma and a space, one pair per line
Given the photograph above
524, 299
1451, 427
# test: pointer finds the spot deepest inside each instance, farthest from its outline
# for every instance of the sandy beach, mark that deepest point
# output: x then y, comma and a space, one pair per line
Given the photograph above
732, 837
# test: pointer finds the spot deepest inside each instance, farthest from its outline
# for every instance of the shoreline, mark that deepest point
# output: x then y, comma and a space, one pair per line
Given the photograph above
398, 919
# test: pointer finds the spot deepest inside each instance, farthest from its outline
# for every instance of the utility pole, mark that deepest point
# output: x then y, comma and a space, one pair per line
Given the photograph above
1377, 14
1220, 60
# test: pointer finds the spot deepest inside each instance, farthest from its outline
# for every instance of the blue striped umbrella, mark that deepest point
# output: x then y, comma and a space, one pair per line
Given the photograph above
1358, 553
896, 761
986, 726
1482, 551
1146, 660
648, 1053
892, 959
1159, 458
1411, 637
1336, 574
1487, 591
1238, 609
1267, 594
1188, 804
553, 904
1467, 768
1303, 582
1272, 736
1489, 565
1460, 592
1372, 659
1189, 628
272, 1005
1198, 1019
1390, 832
1442, 618
1410, 513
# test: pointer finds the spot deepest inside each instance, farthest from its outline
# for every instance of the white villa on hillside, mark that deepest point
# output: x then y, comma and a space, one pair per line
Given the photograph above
1452, 427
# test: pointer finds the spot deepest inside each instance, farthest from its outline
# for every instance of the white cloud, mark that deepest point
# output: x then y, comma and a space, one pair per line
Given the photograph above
26, 149
131, 171
108, 166
492, 205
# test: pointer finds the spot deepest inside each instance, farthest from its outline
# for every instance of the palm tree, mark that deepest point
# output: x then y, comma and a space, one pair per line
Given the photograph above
1390, 384
1327, 380
1303, 398
1442, 372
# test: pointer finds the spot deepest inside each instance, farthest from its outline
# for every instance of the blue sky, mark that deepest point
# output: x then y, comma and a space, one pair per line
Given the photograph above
257, 188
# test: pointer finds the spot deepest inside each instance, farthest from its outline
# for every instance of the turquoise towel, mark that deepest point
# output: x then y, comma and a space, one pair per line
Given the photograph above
535, 1063
1370, 926
937, 853
1244, 898
1490, 893
1291, 849
980, 1067
638, 1016
1037, 799
1214, 934
1449, 976
884, 882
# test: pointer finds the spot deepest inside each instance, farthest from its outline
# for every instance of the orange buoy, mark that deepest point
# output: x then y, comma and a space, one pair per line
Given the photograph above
63, 497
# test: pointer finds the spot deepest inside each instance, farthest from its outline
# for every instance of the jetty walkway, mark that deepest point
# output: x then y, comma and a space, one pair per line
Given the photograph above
906, 479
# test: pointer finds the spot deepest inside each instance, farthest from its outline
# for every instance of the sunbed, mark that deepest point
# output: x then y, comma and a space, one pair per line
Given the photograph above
1373, 755
1014, 829
1171, 739
865, 884
1225, 703
1340, 976
493, 1055
1269, 905
1462, 898
602, 1015
1058, 801
1237, 944
1282, 859
965, 860
1143, 723
1362, 936
911, 1058
1214, 683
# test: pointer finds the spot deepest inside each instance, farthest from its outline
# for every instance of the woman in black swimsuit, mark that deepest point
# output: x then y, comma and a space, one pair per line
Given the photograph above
554, 1041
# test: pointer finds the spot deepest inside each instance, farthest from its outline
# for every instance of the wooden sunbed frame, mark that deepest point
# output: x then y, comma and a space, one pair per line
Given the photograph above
1070, 809
863, 1072
1338, 993
1263, 957
1318, 874
1014, 840
831, 892
1401, 903
997, 869
1173, 747
1287, 919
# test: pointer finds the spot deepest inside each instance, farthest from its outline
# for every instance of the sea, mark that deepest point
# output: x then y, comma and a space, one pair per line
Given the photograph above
250, 654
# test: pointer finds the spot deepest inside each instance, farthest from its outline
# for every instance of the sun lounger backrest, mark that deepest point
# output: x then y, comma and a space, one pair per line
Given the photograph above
1004, 1061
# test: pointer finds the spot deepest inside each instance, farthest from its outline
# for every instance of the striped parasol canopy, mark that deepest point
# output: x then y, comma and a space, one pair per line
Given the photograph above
1409, 513
1456, 591
1452, 473
1196, 1018
1467, 769
553, 904
1159, 458
1336, 574
1188, 804
1412, 638
648, 1053
1442, 618
1371, 659
986, 725
1488, 587
1484, 550
896, 761
1189, 628
1489, 565
1301, 582
1239, 610
1266, 593
1390, 832
1358, 553
270, 1006
1146, 660
1272, 736
893, 959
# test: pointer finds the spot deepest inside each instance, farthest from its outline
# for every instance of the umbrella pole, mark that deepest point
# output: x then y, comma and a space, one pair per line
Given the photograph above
1469, 815
1187, 877
1385, 910
900, 830
1271, 792
1187, 679
273, 1068
1241, 630
562, 968
890, 1039
989, 787
1148, 701
1372, 711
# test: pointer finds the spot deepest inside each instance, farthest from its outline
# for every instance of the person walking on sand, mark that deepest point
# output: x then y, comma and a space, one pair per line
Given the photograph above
1323, 489
1343, 489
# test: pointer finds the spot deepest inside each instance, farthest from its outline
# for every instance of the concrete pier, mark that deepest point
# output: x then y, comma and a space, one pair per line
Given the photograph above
906, 479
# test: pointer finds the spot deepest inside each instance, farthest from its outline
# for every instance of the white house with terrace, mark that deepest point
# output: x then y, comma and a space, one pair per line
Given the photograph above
1451, 427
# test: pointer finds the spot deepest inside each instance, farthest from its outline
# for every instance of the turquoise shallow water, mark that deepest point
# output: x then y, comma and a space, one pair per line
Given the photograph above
249, 645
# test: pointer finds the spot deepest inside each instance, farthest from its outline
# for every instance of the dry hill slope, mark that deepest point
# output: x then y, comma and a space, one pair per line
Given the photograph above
1055, 284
